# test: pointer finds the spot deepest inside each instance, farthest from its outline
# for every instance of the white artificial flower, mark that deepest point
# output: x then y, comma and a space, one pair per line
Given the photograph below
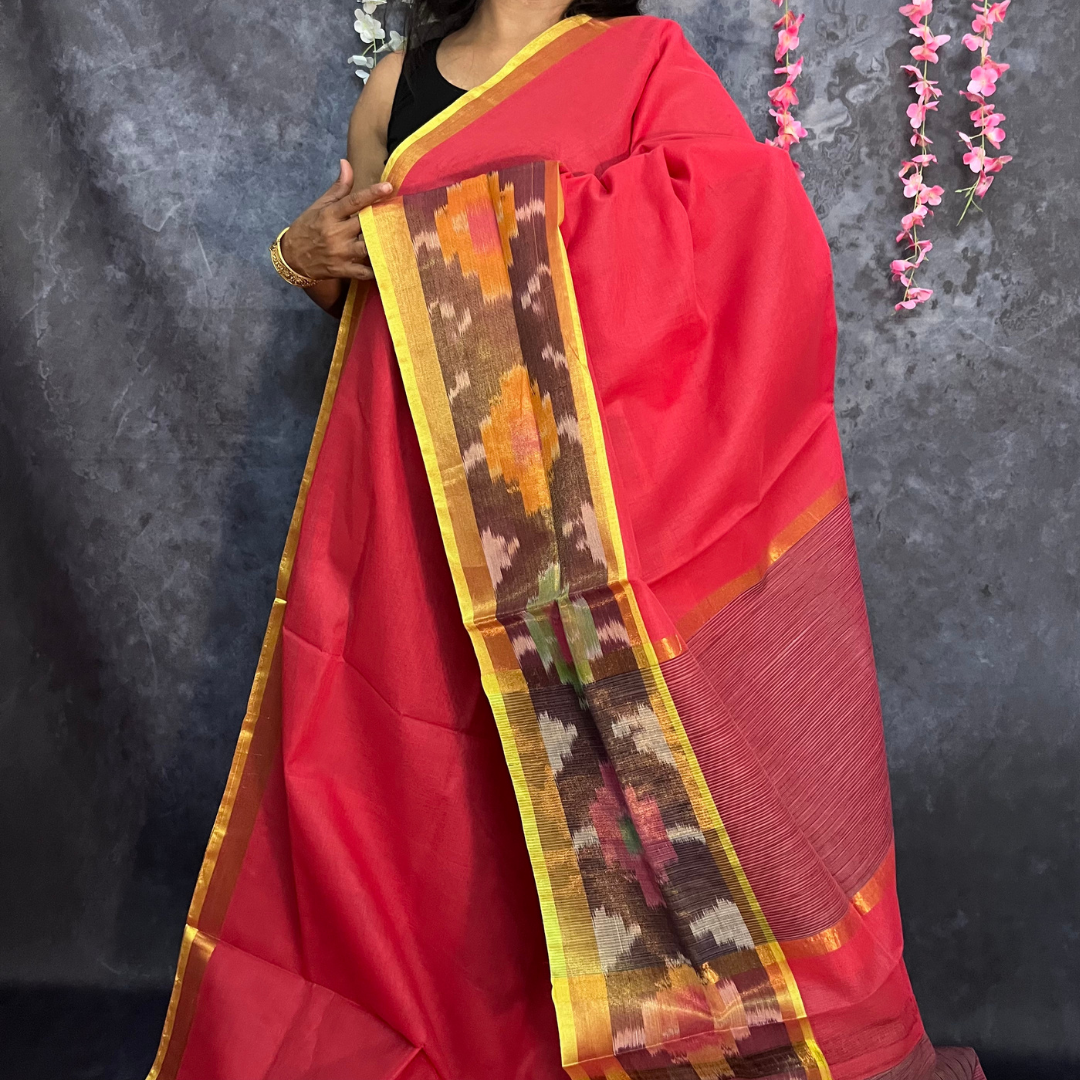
369, 29
365, 60
396, 42
369, 6
362, 74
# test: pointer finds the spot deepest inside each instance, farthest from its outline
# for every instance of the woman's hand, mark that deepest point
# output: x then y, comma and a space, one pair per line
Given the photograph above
324, 242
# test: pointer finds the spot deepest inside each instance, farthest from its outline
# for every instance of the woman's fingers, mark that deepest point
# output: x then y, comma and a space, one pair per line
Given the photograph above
348, 258
358, 266
339, 188
325, 240
352, 204
358, 270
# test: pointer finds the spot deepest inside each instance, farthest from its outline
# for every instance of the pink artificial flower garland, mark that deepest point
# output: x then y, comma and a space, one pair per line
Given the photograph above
984, 77
911, 172
783, 97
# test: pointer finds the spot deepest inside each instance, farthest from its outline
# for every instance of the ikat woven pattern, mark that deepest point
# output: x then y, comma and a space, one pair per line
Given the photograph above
662, 964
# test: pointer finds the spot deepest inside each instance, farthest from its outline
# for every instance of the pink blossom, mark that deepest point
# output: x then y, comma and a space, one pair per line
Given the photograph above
994, 133
925, 88
982, 81
913, 220
927, 51
917, 111
983, 23
914, 296
984, 77
792, 71
789, 129
923, 33
788, 38
784, 96
911, 170
913, 186
900, 267
919, 10
975, 158
974, 43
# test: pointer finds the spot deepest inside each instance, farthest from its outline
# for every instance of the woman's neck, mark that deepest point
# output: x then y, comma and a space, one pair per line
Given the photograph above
497, 31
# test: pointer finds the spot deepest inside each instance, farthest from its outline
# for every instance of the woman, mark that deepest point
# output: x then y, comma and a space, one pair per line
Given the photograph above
564, 755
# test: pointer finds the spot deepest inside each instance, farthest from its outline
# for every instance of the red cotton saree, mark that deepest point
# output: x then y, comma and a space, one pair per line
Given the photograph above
564, 753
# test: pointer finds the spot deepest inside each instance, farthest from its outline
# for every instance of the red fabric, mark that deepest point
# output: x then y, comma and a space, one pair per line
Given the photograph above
293, 1028
385, 923
780, 701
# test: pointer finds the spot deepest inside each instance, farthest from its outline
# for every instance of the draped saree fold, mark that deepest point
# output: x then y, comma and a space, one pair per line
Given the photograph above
564, 753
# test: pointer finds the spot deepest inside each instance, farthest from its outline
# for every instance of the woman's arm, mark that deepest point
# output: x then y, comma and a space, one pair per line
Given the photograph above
324, 242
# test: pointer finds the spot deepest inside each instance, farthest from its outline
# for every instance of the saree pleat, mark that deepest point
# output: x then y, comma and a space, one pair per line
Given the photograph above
565, 751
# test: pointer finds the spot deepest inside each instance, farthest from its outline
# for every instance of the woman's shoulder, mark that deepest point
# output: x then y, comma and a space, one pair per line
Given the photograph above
651, 34
382, 82
645, 27
371, 114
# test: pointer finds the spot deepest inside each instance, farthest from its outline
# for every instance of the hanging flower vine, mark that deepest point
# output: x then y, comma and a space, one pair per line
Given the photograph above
783, 97
984, 77
374, 36
912, 172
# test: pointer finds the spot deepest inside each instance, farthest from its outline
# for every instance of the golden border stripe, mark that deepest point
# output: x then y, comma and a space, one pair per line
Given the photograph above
882, 880
825, 941
244, 787
195, 951
535, 58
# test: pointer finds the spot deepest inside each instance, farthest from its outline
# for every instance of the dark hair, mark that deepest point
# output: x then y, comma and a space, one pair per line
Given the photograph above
427, 19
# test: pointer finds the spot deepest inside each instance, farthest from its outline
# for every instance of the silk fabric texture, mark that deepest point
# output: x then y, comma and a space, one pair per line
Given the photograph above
564, 753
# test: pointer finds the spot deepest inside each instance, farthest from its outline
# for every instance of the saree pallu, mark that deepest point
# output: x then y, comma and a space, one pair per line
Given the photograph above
564, 754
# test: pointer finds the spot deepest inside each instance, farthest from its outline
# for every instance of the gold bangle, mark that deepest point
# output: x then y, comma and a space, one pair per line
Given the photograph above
284, 269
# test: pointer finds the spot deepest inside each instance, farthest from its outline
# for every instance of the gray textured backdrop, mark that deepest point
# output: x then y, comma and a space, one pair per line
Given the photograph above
160, 384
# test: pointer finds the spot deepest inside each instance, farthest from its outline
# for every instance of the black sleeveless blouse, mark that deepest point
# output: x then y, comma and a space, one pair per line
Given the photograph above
421, 95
